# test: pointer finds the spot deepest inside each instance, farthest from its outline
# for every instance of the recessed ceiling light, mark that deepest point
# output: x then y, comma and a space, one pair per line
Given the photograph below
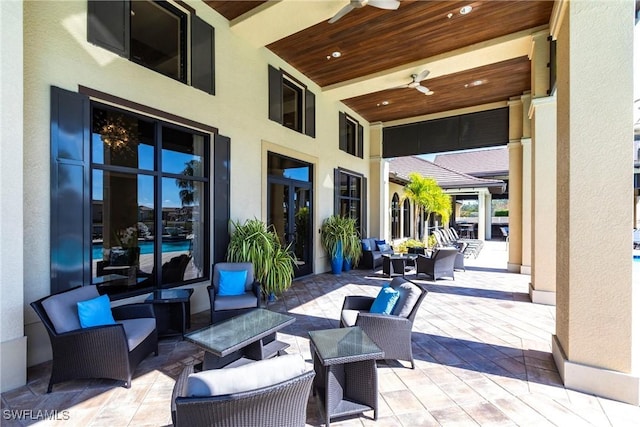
466, 9
449, 15
336, 54
383, 103
475, 83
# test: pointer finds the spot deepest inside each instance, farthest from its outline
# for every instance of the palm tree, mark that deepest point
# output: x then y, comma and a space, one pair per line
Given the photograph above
426, 195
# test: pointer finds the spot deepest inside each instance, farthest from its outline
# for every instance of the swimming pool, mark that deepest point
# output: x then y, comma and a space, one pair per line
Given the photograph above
146, 247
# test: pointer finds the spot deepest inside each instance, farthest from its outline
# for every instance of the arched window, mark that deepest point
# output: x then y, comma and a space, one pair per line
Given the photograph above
406, 216
395, 216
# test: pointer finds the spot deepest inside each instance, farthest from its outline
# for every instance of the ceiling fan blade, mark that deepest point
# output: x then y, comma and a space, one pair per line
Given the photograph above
348, 8
422, 89
423, 75
384, 4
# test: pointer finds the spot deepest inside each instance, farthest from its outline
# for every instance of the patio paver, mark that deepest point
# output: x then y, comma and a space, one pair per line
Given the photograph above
482, 352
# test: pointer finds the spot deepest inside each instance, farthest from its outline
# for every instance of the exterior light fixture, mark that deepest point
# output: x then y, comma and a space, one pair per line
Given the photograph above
466, 9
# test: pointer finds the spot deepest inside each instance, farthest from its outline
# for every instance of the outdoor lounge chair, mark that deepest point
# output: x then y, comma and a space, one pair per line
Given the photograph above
271, 393
391, 332
109, 351
226, 306
439, 264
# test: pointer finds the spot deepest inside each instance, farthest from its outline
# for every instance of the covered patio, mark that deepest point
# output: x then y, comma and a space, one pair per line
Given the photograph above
482, 352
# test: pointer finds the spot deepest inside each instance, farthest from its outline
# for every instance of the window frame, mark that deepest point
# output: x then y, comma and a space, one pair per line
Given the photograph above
157, 174
361, 222
307, 104
352, 145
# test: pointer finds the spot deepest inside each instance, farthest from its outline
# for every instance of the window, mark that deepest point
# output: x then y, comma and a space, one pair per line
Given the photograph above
154, 35
406, 216
290, 103
395, 216
350, 197
158, 38
351, 135
149, 207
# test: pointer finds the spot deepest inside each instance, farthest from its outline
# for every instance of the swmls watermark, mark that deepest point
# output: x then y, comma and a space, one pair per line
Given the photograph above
35, 415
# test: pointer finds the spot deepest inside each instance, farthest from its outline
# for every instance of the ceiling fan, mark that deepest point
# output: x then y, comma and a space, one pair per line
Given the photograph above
415, 83
357, 4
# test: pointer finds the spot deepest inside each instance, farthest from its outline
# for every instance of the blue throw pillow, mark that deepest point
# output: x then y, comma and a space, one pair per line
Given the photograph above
380, 242
95, 312
384, 248
385, 301
231, 282
366, 245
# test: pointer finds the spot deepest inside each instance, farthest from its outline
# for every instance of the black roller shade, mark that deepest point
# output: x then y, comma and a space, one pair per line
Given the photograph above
360, 141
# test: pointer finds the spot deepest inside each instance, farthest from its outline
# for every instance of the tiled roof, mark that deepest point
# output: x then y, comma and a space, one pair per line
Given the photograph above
489, 162
401, 167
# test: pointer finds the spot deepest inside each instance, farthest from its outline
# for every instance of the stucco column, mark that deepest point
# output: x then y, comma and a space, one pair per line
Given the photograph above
515, 185
378, 183
482, 216
13, 342
488, 215
526, 206
597, 338
543, 275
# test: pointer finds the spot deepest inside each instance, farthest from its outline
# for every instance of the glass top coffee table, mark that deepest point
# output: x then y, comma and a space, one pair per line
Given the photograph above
251, 335
396, 263
346, 373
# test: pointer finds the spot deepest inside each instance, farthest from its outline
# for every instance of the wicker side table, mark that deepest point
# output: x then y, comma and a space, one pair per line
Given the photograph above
346, 373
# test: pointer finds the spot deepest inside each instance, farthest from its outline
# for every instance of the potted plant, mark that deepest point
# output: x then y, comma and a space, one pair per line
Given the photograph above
352, 246
332, 234
259, 244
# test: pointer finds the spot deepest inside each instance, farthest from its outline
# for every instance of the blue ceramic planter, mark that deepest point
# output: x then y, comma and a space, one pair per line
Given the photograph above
347, 264
337, 261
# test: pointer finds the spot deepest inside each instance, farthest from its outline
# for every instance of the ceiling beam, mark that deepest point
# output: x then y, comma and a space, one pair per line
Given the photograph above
275, 20
485, 53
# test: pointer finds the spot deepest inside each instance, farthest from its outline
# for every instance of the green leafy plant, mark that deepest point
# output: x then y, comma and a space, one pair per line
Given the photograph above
427, 196
255, 242
352, 246
332, 231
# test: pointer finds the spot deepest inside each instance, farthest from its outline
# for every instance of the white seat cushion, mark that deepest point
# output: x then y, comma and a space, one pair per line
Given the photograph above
62, 308
349, 317
252, 376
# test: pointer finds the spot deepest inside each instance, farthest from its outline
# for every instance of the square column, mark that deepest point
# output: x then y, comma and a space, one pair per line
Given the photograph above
515, 185
543, 275
597, 341
378, 186
13, 342
488, 215
526, 206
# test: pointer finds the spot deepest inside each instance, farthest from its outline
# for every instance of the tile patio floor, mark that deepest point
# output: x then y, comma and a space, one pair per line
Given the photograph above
482, 353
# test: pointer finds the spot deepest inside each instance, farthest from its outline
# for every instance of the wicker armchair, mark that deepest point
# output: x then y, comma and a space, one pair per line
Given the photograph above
224, 307
392, 333
111, 351
283, 404
440, 264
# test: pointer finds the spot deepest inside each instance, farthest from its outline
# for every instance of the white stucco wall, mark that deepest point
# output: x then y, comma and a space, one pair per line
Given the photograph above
239, 110
12, 339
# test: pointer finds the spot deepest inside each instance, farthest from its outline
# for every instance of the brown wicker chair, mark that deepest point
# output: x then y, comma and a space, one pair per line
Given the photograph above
279, 405
392, 333
100, 351
440, 264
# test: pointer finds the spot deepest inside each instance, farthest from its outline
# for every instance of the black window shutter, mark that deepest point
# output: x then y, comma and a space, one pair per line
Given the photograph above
202, 55
221, 196
360, 152
336, 191
70, 191
275, 94
363, 200
108, 25
342, 131
309, 114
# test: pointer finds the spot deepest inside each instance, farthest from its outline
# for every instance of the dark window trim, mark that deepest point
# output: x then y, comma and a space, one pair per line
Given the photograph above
112, 99
363, 196
185, 6
308, 110
344, 118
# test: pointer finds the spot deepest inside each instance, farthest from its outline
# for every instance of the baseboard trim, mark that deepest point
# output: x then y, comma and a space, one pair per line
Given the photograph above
593, 380
13, 364
541, 297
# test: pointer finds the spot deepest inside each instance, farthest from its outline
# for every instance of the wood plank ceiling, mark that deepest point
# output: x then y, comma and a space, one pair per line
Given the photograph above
380, 49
